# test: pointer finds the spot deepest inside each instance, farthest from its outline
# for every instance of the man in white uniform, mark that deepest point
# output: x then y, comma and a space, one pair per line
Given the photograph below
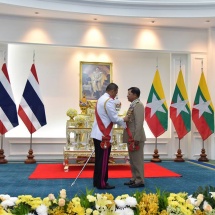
105, 116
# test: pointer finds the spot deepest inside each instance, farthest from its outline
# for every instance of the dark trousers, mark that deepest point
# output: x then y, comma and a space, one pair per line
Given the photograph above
100, 176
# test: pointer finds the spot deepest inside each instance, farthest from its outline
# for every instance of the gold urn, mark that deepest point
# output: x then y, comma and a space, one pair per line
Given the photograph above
83, 104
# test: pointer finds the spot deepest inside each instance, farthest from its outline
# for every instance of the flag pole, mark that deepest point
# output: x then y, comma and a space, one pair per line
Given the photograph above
34, 57
156, 155
1, 141
30, 156
203, 156
2, 156
179, 155
31, 142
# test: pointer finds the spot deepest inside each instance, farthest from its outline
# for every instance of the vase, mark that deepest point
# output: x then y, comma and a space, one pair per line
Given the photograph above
83, 110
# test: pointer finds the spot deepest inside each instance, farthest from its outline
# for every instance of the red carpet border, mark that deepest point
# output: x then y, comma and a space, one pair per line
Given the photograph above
56, 171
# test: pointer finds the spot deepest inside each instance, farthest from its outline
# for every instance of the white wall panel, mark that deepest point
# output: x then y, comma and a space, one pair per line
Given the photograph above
43, 148
115, 36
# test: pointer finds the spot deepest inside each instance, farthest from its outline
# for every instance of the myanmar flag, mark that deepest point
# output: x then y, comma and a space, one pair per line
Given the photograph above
180, 108
203, 110
156, 111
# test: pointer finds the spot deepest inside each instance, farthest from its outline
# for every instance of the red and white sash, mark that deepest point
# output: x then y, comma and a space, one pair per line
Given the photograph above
105, 131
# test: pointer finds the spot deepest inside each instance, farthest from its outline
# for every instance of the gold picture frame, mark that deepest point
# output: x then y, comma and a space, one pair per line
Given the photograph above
94, 78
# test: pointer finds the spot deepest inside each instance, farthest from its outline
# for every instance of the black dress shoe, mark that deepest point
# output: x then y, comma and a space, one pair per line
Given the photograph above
129, 183
107, 186
94, 185
136, 185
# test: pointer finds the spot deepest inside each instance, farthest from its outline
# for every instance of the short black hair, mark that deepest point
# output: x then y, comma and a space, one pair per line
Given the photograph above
135, 90
111, 86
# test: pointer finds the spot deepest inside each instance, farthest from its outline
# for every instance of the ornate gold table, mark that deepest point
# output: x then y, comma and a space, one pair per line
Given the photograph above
80, 146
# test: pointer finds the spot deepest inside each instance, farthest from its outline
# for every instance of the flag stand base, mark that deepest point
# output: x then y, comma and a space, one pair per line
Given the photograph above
155, 156
2, 157
30, 157
179, 156
203, 156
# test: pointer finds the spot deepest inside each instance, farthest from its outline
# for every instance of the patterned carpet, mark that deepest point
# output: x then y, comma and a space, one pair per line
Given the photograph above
14, 180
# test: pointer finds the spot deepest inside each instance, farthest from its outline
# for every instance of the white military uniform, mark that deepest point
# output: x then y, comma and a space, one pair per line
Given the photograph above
108, 114
106, 109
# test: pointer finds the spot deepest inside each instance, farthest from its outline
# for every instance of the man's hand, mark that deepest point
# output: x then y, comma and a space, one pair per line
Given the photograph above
126, 119
134, 145
136, 142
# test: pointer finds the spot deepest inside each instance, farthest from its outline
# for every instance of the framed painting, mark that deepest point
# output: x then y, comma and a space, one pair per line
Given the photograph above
94, 78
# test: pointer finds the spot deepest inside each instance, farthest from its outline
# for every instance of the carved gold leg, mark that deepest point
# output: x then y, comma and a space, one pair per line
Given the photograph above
127, 160
66, 163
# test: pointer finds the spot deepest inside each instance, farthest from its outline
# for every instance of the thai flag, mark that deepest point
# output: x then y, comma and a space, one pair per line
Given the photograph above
8, 112
31, 108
